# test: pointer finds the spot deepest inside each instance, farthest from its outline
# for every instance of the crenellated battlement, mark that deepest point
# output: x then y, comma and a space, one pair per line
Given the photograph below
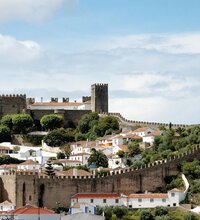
143, 123
176, 158
13, 96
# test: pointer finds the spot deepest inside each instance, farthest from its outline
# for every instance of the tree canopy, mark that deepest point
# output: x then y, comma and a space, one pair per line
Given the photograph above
22, 122
98, 159
58, 137
52, 121
5, 134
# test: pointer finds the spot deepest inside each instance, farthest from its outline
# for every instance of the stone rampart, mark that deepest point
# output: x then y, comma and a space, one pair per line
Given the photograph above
46, 191
130, 123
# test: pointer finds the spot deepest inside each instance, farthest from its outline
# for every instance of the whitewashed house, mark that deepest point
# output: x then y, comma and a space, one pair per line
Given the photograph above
143, 131
29, 165
6, 206
97, 199
149, 138
82, 157
82, 208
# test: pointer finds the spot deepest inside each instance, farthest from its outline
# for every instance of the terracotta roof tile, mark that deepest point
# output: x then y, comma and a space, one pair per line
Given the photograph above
31, 210
57, 104
70, 173
141, 129
29, 162
96, 195
149, 195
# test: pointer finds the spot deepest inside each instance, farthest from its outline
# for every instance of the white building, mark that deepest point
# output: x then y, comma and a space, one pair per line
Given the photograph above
149, 138
97, 199
82, 157
30, 153
29, 165
82, 208
143, 131
7, 206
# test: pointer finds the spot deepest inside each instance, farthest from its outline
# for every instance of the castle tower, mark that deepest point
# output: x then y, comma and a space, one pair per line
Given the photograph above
99, 98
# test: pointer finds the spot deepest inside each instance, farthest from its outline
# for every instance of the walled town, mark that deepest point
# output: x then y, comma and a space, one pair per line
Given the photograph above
65, 159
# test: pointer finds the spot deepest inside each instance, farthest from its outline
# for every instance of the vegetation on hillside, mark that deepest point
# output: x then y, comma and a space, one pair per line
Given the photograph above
158, 213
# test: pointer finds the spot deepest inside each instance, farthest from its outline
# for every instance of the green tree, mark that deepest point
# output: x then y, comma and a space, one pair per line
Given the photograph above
60, 155
7, 121
49, 169
190, 216
121, 153
134, 149
67, 150
120, 212
98, 159
6, 159
58, 137
87, 122
5, 134
22, 122
52, 121
159, 211
146, 215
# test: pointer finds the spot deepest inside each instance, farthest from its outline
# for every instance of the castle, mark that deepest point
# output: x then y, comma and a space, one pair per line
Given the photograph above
71, 111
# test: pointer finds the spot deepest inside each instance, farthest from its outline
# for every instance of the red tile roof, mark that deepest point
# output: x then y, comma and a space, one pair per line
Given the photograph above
29, 162
96, 195
124, 148
70, 173
57, 104
149, 195
141, 129
31, 210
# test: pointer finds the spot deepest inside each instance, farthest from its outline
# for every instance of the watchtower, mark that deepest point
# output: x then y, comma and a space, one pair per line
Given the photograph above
99, 98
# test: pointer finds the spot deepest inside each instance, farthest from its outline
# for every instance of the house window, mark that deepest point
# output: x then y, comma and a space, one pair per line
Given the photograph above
172, 194
104, 200
139, 200
163, 200
91, 200
116, 200
174, 204
30, 198
1, 207
151, 200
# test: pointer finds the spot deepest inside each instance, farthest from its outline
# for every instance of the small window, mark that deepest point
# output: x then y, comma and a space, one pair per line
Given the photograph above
172, 194
104, 200
174, 204
116, 200
130, 206
91, 200
139, 200
151, 200
1, 207
30, 198
163, 200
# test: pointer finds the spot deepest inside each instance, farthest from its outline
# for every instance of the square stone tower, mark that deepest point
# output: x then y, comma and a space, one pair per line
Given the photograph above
99, 98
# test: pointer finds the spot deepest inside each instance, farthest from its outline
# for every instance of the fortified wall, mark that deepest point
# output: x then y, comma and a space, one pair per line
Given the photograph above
12, 104
130, 123
22, 188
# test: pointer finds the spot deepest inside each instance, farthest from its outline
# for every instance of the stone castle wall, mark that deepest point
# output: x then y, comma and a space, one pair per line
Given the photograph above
130, 123
12, 104
46, 191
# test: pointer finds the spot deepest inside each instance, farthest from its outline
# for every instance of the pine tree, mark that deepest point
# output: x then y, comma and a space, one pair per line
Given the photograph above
49, 169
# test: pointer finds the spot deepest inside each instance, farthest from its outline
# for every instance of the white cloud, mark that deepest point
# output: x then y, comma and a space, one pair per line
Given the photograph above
29, 10
148, 79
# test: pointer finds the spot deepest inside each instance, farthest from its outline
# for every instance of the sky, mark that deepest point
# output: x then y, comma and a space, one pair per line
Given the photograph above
148, 51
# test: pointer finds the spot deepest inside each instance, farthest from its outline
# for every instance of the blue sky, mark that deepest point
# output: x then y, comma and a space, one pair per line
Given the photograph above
147, 50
